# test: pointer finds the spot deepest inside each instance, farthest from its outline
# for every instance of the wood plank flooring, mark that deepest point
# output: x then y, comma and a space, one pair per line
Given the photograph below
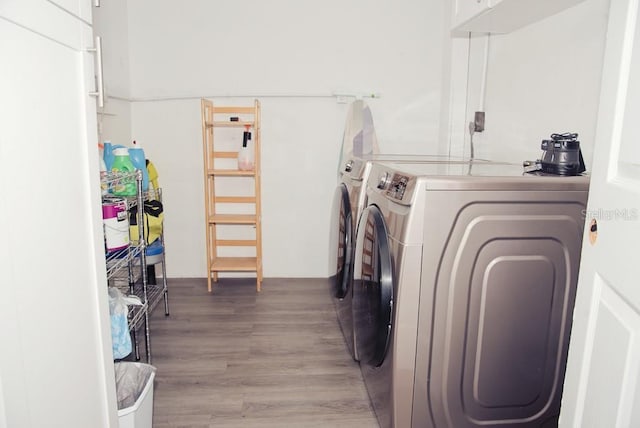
237, 358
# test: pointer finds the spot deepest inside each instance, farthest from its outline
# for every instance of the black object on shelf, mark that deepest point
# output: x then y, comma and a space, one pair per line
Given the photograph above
151, 275
561, 155
246, 136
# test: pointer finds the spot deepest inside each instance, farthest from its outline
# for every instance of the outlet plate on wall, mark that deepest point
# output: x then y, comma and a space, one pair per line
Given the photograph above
478, 121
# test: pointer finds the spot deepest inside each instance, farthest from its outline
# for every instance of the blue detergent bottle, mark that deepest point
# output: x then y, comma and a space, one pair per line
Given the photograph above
136, 154
108, 155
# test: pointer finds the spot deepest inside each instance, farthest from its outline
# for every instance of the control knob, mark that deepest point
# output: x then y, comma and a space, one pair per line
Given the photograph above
383, 180
348, 166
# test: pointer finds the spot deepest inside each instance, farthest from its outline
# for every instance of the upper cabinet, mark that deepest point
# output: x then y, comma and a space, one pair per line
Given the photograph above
503, 16
78, 8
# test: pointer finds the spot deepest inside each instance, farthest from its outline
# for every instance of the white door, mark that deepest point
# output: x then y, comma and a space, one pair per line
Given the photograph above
602, 386
56, 364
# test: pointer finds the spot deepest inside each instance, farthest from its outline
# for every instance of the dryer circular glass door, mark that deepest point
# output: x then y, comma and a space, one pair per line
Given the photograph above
343, 230
372, 288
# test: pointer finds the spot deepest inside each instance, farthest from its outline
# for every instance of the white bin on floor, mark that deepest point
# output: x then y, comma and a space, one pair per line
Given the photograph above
134, 389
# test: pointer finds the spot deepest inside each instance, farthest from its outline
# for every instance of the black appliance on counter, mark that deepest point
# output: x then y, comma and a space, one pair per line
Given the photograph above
561, 155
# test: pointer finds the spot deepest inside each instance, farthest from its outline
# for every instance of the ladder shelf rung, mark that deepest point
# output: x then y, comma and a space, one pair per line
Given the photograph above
233, 219
229, 124
234, 110
231, 172
234, 264
235, 200
236, 242
228, 155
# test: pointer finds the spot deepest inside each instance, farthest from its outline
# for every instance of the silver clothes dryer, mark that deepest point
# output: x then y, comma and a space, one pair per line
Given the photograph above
464, 283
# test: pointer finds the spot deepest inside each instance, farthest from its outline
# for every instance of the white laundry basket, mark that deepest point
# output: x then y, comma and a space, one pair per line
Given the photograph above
134, 389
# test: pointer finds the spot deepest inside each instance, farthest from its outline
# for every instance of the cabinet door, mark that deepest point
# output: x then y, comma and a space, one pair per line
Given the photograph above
503, 16
55, 337
464, 10
45, 18
79, 8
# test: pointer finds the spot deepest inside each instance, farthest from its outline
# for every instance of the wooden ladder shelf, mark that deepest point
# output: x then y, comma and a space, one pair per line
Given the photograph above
231, 209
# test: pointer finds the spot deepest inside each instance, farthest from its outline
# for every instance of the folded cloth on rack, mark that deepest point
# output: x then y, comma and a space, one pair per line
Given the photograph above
153, 218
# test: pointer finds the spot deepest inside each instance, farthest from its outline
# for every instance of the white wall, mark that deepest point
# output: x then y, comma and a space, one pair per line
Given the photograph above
292, 56
295, 220
541, 79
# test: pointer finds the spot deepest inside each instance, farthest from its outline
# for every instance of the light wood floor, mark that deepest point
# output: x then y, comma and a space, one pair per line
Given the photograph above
237, 358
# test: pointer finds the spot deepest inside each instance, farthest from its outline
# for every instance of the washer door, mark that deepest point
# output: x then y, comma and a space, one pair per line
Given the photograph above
372, 288
343, 230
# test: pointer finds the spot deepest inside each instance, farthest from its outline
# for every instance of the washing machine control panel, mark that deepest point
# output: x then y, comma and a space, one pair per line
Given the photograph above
397, 186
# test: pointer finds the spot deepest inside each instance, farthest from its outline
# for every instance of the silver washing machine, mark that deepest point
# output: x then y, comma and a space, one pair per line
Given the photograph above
464, 283
349, 200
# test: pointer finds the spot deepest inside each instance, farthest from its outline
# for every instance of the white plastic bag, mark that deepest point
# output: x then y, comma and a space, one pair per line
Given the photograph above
118, 310
131, 379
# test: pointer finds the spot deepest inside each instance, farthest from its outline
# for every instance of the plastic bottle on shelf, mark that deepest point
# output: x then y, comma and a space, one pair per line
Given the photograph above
245, 155
108, 155
116, 223
103, 171
125, 186
136, 154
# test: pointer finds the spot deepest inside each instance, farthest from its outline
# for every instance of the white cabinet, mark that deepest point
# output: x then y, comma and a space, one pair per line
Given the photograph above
56, 344
79, 8
503, 16
465, 10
